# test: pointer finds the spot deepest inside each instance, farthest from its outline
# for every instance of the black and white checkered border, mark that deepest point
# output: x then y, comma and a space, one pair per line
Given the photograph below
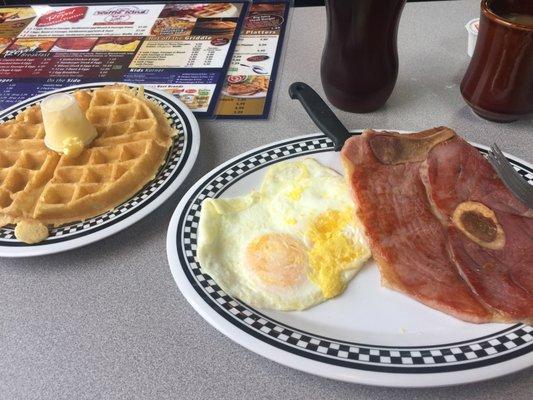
520, 336
325, 349
174, 156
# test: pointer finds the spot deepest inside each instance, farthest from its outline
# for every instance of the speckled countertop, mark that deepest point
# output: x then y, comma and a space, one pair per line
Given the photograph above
107, 321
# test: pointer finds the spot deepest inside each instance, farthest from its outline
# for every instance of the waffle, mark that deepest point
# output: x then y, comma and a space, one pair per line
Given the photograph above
38, 184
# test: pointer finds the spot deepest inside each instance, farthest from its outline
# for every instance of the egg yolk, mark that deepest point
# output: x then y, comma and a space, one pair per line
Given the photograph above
332, 251
277, 259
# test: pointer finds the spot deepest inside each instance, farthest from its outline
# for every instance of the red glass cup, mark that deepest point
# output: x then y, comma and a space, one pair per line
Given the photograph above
498, 84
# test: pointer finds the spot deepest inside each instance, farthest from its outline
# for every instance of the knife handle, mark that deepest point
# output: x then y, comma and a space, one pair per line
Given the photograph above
320, 113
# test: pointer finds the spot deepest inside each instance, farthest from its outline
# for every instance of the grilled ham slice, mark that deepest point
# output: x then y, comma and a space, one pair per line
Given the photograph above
407, 240
442, 227
490, 231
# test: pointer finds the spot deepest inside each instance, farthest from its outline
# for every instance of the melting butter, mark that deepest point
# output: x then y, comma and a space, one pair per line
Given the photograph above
67, 129
72, 147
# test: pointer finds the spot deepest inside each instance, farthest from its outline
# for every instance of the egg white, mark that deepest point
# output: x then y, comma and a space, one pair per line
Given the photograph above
292, 194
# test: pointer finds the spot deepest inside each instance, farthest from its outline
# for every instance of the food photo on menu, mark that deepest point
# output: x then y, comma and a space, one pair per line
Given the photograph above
171, 161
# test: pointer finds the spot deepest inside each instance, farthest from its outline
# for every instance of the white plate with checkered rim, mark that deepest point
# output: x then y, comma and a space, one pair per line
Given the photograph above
179, 162
368, 335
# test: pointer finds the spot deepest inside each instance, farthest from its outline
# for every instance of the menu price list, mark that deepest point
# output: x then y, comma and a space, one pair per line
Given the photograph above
195, 88
76, 65
182, 48
179, 53
14, 91
248, 90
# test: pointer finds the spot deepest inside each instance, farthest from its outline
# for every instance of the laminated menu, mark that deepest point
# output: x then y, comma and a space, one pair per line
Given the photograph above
183, 48
249, 86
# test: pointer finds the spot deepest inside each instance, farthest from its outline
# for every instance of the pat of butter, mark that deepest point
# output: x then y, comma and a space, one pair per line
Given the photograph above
66, 128
31, 232
72, 146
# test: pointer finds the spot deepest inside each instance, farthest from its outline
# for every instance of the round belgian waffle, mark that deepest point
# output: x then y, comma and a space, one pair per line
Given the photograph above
39, 184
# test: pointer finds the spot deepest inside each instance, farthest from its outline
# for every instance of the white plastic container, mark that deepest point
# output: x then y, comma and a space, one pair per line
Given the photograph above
472, 28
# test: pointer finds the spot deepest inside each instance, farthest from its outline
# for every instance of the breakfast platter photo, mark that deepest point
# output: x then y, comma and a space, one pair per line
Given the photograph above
266, 199
147, 143
250, 87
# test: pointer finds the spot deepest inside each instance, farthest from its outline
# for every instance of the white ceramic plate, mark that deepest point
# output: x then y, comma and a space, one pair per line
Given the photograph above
180, 159
369, 334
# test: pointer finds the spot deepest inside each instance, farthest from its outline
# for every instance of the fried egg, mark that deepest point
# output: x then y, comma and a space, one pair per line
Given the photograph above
292, 244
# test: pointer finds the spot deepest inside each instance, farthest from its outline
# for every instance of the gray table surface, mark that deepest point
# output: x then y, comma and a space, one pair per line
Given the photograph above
108, 322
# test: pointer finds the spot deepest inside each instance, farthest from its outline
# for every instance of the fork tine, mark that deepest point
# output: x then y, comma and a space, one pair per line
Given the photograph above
502, 166
500, 156
495, 149
514, 182
503, 172
509, 175
512, 174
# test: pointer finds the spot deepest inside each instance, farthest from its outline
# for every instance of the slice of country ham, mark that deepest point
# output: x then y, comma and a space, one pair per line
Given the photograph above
407, 240
490, 231
459, 172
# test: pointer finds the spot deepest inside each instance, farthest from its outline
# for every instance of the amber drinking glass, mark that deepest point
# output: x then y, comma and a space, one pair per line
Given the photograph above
498, 84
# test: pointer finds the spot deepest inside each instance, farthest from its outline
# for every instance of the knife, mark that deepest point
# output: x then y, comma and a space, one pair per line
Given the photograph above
320, 113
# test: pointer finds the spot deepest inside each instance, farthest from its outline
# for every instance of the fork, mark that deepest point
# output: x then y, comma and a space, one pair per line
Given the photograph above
512, 179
